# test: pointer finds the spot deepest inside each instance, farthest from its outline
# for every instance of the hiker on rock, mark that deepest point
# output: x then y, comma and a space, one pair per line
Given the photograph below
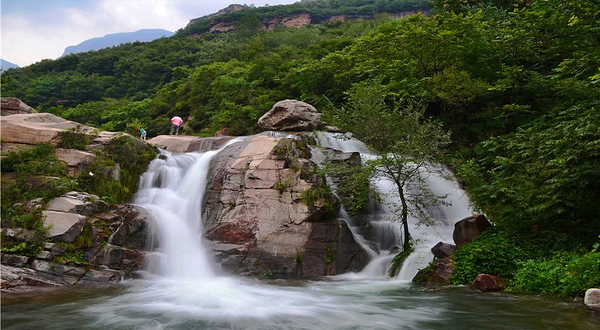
175, 124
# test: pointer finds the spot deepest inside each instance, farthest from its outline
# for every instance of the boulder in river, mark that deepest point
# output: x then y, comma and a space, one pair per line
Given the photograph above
488, 283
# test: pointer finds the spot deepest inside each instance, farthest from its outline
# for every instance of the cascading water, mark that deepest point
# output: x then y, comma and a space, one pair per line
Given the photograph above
425, 232
172, 191
185, 291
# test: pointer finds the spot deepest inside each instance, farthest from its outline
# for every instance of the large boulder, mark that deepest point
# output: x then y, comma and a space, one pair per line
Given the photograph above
443, 250
14, 106
77, 202
64, 226
291, 115
259, 221
488, 283
592, 298
35, 128
468, 229
438, 274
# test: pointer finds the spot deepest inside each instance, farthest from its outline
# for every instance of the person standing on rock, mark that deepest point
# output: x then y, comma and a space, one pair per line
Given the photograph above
175, 124
143, 134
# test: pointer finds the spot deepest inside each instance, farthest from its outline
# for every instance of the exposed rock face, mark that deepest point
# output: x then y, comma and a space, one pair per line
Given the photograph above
113, 245
297, 21
488, 283
259, 223
439, 274
75, 159
443, 250
35, 128
222, 27
182, 144
14, 106
291, 115
468, 229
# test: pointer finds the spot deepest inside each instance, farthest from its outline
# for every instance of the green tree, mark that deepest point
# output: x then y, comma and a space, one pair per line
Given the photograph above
405, 141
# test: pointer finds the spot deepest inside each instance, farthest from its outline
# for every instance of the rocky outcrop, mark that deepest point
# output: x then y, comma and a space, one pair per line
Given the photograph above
35, 128
297, 21
222, 27
291, 115
438, 274
443, 250
14, 106
468, 229
98, 248
488, 283
182, 144
264, 216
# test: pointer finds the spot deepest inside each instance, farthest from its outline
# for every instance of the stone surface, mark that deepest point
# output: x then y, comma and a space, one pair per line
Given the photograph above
182, 144
592, 298
443, 250
258, 225
35, 128
297, 21
75, 158
488, 283
468, 229
14, 106
77, 202
14, 260
439, 274
291, 115
63, 226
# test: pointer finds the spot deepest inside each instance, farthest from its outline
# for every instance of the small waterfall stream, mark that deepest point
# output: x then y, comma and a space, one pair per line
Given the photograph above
381, 216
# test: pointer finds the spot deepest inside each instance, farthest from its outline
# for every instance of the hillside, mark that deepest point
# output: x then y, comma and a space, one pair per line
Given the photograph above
115, 39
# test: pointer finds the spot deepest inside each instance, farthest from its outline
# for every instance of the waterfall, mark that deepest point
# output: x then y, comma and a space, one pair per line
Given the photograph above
386, 233
172, 191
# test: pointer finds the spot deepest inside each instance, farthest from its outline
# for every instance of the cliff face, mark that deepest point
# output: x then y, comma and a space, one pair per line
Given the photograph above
293, 20
265, 217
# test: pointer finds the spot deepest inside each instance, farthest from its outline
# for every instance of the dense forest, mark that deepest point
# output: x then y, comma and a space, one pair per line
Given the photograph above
517, 82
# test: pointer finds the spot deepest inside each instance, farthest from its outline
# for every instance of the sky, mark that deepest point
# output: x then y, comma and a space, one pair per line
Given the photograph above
33, 30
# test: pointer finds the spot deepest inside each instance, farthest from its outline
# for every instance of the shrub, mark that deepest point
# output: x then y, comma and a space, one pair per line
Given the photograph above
74, 138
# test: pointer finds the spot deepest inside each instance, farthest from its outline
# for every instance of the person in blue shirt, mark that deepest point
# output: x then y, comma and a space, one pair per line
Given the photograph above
143, 134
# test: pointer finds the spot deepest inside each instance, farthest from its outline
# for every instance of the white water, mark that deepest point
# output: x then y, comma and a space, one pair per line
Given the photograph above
425, 233
185, 291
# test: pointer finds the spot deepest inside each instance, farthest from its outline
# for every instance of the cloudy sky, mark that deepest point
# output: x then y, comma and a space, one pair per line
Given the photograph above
33, 30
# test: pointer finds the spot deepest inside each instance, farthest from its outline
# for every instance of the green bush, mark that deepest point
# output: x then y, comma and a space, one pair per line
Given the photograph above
73, 138
494, 253
566, 274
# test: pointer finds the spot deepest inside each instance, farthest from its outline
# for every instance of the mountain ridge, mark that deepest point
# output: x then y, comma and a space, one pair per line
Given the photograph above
115, 39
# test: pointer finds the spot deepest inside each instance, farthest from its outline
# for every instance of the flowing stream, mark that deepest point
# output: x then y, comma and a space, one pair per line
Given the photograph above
184, 289
436, 227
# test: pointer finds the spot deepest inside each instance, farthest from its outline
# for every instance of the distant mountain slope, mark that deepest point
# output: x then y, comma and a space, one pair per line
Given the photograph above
115, 39
301, 13
5, 65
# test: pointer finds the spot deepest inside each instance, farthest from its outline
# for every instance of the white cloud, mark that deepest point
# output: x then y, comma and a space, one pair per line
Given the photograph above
31, 38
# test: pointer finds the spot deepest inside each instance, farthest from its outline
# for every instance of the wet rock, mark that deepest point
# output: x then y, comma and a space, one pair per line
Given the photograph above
438, 274
182, 144
443, 250
468, 229
291, 115
488, 283
592, 298
260, 226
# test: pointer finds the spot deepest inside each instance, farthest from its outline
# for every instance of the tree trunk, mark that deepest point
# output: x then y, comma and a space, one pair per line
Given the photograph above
406, 243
